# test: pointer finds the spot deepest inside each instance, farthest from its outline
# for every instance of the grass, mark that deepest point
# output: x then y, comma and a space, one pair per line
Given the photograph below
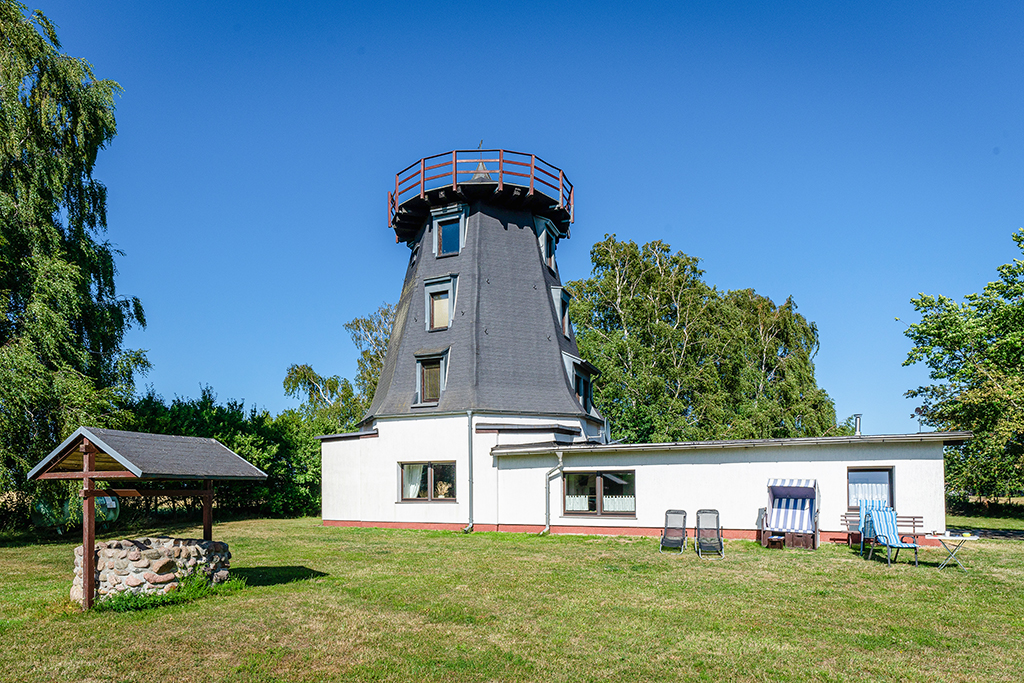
338, 604
986, 523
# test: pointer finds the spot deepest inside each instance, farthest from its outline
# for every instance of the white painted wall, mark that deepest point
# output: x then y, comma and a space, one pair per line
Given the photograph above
732, 481
361, 477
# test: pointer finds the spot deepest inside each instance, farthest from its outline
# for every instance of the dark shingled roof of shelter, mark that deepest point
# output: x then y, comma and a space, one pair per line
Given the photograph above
157, 456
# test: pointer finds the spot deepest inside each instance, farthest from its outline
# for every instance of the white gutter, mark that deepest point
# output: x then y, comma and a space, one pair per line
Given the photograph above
469, 431
547, 494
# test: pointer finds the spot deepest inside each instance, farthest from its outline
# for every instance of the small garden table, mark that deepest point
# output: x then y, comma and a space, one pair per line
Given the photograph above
955, 543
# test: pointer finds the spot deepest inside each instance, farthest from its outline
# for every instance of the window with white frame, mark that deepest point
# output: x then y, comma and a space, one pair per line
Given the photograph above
448, 225
600, 493
874, 484
439, 302
431, 371
427, 481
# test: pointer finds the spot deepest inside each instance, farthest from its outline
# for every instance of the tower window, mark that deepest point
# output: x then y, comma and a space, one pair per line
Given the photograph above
448, 237
430, 380
431, 373
583, 390
449, 229
439, 296
439, 310
565, 313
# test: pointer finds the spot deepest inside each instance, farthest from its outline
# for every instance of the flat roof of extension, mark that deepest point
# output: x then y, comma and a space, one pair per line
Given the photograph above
947, 439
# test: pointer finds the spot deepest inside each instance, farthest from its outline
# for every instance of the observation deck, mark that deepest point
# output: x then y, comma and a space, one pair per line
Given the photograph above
514, 180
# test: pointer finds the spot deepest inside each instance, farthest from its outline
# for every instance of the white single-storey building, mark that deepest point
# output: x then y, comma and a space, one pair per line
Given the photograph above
517, 484
483, 417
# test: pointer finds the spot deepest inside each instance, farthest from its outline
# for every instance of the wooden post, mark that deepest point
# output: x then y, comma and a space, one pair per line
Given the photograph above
208, 511
88, 527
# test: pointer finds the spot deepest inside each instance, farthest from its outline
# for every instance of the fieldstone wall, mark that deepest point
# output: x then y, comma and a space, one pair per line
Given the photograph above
151, 565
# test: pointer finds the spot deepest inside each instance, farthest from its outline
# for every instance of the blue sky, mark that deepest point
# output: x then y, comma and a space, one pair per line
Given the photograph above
850, 155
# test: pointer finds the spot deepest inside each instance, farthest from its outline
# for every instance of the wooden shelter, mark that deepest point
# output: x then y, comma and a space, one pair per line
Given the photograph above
132, 458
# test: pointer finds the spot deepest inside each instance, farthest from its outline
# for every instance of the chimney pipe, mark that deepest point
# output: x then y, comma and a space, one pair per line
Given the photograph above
856, 424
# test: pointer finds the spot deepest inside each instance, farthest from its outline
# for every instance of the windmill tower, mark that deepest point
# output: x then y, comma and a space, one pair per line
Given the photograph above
482, 351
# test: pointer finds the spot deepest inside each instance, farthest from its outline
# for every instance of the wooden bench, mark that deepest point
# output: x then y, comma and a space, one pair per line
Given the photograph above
908, 525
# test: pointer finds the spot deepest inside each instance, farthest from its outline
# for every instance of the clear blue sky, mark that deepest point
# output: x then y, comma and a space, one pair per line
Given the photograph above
848, 154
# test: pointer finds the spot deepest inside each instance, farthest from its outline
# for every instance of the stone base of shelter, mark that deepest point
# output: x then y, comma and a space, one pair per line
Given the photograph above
152, 565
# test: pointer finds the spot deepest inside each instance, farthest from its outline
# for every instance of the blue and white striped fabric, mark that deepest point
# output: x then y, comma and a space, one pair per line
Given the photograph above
793, 483
792, 514
883, 522
866, 505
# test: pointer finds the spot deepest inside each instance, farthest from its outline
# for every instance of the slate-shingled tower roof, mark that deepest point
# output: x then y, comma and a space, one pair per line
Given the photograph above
504, 349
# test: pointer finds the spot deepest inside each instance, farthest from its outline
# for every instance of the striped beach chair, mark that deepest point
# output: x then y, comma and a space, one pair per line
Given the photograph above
881, 528
792, 514
865, 506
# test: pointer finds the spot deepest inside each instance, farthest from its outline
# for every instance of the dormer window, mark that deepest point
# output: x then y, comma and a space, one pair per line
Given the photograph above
583, 389
448, 237
439, 310
439, 301
547, 238
448, 224
566, 330
431, 373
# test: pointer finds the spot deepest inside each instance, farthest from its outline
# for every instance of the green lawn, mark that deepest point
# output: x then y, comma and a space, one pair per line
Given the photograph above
380, 605
986, 523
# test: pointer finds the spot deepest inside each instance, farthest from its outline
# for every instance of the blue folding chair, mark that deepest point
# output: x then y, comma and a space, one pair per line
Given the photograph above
865, 506
882, 530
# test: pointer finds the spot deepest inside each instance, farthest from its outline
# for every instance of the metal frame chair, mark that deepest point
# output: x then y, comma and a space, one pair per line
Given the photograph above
881, 525
708, 536
674, 533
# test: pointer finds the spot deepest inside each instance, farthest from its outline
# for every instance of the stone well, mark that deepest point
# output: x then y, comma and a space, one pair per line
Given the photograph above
151, 565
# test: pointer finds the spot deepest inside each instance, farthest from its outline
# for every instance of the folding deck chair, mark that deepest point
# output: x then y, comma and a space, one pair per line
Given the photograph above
881, 528
865, 507
674, 534
792, 513
708, 536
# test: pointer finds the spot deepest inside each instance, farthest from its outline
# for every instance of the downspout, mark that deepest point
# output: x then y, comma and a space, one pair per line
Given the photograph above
547, 494
469, 420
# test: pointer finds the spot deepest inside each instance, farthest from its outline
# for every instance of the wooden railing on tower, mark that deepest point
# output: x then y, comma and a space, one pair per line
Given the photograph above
461, 165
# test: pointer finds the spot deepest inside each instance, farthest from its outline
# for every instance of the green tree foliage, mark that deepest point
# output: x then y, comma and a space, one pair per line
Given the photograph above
975, 350
681, 361
61, 320
278, 446
371, 335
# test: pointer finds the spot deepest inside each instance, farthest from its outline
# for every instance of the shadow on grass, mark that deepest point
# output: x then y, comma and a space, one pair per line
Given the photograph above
273, 576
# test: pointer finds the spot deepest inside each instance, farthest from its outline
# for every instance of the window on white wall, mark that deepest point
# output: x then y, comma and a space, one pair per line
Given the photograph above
600, 493
428, 481
874, 484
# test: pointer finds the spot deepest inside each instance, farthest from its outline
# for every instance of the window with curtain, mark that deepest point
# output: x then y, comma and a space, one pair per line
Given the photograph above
439, 310
870, 484
600, 493
428, 481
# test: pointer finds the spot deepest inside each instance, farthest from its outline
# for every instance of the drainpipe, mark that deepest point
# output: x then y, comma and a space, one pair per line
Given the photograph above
547, 494
469, 420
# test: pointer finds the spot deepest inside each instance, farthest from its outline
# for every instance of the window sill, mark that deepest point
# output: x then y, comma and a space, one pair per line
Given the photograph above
429, 404
454, 253
422, 501
594, 515
437, 329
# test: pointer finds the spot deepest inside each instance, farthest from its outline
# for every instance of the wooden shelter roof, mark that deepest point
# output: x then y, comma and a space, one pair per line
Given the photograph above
138, 455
